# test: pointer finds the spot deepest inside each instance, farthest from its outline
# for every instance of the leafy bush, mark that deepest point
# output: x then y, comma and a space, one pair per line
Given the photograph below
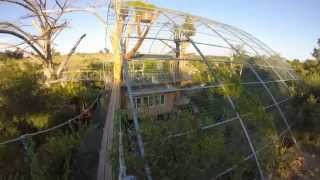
27, 105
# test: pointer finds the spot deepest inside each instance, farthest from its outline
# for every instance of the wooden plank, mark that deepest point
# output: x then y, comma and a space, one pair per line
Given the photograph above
105, 154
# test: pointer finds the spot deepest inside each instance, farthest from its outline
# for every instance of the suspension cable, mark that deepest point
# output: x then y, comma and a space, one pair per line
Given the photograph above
23, 136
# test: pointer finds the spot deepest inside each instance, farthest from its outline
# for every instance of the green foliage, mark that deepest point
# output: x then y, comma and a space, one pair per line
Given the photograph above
188, 27
305, 110
196, 155
20, 88
140, 5
38, 121
27, 105
55, 155
177, 146
10, 55
202, 75
316, 51
185, 30
21, 96
307, 94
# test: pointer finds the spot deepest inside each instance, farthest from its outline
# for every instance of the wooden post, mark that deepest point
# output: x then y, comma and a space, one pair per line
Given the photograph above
105, 154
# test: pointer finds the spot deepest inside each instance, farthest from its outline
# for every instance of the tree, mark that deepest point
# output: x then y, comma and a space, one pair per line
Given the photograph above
47, 24
182, 33
188, 30
316, 51
145, 15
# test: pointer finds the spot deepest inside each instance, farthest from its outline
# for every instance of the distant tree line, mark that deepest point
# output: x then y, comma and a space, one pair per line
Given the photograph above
316, 51
8, 54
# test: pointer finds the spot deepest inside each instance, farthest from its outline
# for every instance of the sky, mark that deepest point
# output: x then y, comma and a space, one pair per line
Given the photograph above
290, 27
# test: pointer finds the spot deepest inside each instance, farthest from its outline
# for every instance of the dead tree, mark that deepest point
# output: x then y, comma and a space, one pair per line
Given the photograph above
47, 24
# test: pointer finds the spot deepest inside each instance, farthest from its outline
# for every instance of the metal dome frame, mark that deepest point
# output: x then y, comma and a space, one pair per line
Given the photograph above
158, 44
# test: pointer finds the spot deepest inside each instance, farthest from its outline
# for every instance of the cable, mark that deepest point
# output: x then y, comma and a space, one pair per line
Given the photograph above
23, 136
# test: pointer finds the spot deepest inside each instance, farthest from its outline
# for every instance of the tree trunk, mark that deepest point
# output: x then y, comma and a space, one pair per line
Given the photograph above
105, 154
183, 49
177, 42
130, 54
65, 62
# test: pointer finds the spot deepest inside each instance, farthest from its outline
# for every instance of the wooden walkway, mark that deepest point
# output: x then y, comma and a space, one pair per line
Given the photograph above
105, 161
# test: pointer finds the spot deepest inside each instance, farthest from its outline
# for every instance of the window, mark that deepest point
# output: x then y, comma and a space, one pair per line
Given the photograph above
145, 101
151, 101
162, 99
138, 67
138, 102
156, 100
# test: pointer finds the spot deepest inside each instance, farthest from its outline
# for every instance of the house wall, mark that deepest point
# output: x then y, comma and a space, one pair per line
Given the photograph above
167, 107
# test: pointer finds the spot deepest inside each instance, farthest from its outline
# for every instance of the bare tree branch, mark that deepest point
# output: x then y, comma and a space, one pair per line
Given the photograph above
48, 24
16, 47
18, 3
66, 60
142, 36
24, 39
9, 26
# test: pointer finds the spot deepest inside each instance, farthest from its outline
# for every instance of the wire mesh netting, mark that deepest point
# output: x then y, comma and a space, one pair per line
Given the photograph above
203, 99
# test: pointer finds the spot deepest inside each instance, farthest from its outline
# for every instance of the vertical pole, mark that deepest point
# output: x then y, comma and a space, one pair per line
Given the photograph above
237, 113
266, 87
283, 117
273, 69
105, 155
122, 166
136, 122
264, 84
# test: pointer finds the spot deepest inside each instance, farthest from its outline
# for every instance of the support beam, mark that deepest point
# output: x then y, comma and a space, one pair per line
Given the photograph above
122, 165
136, 122
237, 113
104, 171
164, 39
276, 105
247, 44
265, 86
170, 90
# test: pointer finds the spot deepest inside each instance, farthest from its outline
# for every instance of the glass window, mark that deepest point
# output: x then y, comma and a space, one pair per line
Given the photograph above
138, 102
162, 100
145, 101
151, 101
138, 67
135, 102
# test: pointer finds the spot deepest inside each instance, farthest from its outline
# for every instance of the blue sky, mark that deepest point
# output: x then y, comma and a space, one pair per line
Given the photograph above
290, 27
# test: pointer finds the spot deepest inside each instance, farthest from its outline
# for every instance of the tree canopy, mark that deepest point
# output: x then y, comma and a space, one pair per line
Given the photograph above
316, 51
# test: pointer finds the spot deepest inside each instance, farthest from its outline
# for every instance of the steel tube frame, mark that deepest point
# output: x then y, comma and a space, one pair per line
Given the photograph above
213, 125
277, 106
276, 72
270, 94
164, 39
122, 165
248, 157
237, 114
134, 94
136, 121
268, 91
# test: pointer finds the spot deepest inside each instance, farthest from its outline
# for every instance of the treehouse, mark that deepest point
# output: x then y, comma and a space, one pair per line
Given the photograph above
155, 85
